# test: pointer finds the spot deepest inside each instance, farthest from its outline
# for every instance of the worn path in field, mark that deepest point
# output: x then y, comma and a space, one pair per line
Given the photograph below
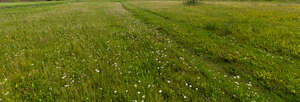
145, 15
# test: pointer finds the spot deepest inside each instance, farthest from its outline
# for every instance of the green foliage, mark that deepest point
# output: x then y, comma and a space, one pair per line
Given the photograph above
191, 2
25, 0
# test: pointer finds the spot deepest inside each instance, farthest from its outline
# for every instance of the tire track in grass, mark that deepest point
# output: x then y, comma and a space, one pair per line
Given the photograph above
165, 31
204, 88
208, 91
199, 28
162, 30
280, 94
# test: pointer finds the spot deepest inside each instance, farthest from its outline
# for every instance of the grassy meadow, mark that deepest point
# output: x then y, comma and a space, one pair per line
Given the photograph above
149, 51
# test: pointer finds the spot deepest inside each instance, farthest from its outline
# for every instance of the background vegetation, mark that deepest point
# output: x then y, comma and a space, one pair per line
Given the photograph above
26, 0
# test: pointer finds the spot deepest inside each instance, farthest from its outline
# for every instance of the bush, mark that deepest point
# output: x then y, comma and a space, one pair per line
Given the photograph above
191, 2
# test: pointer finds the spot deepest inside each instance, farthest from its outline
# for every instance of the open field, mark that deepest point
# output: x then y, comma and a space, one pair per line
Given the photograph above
152, 51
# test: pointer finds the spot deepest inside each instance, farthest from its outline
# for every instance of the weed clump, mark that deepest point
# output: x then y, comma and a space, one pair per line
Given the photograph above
191, 2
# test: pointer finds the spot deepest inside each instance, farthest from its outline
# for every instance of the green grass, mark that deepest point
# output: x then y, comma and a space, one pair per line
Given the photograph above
150, 51
28, 4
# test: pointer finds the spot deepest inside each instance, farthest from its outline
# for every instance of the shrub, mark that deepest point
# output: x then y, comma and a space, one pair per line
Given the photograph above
191, 2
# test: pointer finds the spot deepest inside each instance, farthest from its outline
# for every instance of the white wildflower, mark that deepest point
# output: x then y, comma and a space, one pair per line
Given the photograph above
159, 91
6, 93
135, 85
66, 85
97, 70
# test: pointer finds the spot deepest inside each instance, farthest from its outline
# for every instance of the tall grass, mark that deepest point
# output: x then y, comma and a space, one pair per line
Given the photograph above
239, 34
152, 51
